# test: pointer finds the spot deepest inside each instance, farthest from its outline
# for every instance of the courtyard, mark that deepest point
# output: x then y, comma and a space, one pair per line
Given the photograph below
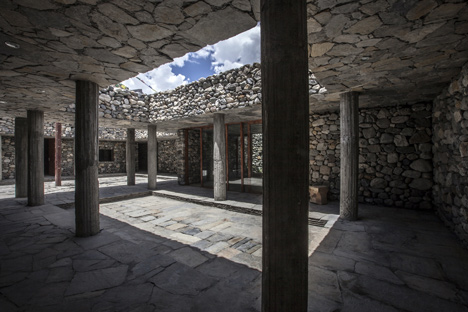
174, 251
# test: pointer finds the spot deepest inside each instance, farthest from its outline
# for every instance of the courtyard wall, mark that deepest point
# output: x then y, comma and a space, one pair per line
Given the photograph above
450, 139
395, 167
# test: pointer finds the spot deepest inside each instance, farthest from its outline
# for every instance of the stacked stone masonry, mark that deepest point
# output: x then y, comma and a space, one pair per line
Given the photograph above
166, 161
450, 139
395, 167
235, 88
166, 152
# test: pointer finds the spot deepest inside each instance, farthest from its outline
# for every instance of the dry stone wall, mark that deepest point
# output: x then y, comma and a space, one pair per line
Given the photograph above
450, 138
8, 157
166, 156
395, 167
118, 164
68, 165
7, 126
235, 88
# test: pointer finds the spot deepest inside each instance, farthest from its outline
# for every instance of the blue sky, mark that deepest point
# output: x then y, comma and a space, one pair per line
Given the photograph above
231, 53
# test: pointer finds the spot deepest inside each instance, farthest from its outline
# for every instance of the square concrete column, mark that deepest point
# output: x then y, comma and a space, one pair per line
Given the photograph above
35, 158
152, 157
21, 157
86, 159
349, 151
130, 156
285, 113
219, 158
58, 154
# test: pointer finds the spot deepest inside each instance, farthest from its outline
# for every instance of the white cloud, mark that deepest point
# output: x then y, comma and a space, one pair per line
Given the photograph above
237, 51
228, 54
159, 79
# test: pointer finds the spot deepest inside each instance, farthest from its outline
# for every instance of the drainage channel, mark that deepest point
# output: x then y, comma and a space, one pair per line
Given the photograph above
249, 211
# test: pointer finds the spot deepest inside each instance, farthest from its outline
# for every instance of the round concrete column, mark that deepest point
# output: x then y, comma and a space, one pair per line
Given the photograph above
152, 157
130, 156
58, 154
35, 158
285, 108
21, 157
86, 159
349, 151
219, 157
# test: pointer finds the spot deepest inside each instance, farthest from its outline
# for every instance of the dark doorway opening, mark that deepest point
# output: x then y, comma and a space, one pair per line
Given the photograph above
142, 158
49, 157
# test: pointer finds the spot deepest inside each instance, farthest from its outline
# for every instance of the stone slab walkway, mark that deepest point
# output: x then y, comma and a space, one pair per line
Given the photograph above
161, 254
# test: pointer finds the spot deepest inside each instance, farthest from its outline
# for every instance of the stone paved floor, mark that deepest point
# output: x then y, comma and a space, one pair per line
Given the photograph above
160, 254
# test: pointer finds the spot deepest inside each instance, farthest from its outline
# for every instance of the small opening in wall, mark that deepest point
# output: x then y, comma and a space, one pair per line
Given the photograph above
106, 155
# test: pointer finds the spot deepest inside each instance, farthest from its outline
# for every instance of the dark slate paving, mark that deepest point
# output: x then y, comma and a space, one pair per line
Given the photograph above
388, 260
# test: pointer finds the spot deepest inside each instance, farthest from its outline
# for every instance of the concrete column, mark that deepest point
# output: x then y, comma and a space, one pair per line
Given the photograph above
86, 159
35, 158
285, 112
21, 157
349, 128
1, 160
152, 157
58, 154
219, 157
130, 156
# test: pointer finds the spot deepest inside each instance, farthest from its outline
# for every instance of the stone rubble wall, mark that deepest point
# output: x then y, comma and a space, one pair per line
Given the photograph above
118, 165
235, 88
324, 153
8, 157
166, 159
257, 155
194, 156
395, 155
166, 156
7, 126
68, 164
450, 139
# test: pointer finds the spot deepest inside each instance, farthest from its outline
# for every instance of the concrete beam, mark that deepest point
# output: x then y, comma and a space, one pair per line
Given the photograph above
35, 158
285, 112
349, 151
86, 159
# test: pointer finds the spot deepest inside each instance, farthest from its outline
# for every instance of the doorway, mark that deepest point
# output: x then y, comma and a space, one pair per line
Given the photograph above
142, 158
49, 157
244, 159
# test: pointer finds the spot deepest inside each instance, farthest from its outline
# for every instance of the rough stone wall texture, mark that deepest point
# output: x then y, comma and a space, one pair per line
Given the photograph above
167, 160
8, 157
395, 166
118, 164
324, 153
194, 156
450, 139
257, 154
68, 165
235, 88
7, 126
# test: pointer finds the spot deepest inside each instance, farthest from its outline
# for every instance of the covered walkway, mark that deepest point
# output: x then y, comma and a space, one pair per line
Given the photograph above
155, 253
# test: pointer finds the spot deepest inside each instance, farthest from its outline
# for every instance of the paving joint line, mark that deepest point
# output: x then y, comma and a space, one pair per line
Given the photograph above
250, 211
